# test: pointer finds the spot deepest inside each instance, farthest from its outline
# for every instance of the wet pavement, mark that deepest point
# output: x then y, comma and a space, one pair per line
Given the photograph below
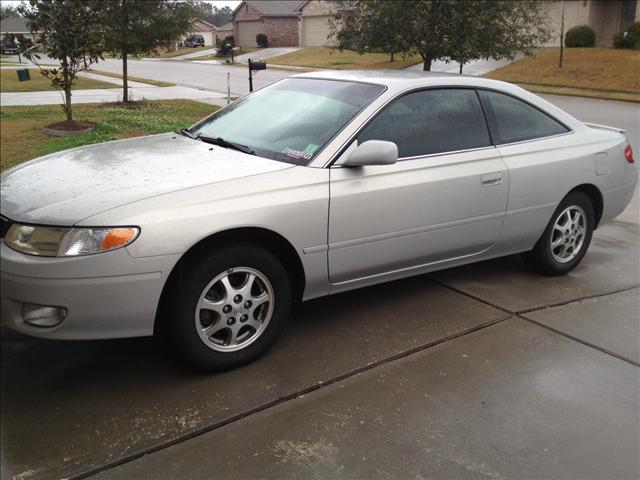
481, 371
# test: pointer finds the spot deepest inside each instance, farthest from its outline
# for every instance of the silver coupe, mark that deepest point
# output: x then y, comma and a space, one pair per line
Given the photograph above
316, 184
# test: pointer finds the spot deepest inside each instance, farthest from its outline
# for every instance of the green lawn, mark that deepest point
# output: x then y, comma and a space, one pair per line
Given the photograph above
320, 57
22, 138
9, 82
157, 83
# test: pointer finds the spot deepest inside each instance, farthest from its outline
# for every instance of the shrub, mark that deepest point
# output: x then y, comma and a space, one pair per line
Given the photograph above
262, 41
226, 40
630, 38
580, 36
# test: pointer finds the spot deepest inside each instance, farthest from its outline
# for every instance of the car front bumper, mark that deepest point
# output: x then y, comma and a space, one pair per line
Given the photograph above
108, 295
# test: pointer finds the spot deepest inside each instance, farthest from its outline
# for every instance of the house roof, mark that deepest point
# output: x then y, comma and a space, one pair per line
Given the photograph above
14, 25
273, 8
226, 26
206, 23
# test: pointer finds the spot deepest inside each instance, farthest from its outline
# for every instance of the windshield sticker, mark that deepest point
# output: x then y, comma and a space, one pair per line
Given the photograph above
297, 154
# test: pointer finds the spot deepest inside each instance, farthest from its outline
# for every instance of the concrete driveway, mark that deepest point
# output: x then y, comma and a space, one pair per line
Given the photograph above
481, 371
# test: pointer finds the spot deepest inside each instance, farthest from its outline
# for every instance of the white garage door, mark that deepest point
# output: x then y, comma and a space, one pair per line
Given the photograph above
247, 32
208, 37
315, 31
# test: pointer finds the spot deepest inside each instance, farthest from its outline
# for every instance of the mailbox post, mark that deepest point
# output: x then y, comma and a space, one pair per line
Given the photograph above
254, 67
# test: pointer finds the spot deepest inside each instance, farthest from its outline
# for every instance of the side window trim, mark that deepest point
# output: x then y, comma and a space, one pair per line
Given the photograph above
493, 126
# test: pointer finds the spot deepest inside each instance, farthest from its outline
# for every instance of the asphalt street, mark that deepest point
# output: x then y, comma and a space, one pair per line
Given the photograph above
483, 371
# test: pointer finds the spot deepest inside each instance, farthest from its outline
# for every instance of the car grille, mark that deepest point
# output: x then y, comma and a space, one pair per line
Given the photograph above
5, 223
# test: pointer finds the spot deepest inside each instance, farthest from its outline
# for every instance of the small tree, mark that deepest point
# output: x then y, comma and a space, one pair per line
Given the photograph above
368, 26
133, 27
67, 30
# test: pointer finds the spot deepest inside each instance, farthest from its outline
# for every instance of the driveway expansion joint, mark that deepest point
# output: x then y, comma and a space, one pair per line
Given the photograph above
292, 396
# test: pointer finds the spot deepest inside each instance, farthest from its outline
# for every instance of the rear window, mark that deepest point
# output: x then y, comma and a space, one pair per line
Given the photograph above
516, 121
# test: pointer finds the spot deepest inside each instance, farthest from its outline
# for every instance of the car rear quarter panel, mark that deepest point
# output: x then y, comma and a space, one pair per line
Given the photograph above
543, 171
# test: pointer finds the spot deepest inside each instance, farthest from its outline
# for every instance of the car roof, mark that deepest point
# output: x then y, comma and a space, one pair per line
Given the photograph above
406, 79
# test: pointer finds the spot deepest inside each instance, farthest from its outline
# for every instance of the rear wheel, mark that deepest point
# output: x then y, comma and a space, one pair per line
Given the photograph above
231, 308
566, 239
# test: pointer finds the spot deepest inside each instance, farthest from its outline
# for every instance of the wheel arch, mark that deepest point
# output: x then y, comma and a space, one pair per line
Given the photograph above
262, 237
595, 196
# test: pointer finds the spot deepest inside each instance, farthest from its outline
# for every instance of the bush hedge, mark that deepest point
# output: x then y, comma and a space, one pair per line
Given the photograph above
630, 38
262, 41
580, 36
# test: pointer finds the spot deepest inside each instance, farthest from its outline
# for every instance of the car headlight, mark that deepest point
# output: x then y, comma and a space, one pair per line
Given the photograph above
67, 242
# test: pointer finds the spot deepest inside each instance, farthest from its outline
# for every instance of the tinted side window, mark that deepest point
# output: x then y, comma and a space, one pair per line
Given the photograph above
516, 120
431, 121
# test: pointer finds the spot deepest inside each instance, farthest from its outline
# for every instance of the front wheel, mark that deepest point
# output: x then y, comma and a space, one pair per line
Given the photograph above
566, 239
231, 308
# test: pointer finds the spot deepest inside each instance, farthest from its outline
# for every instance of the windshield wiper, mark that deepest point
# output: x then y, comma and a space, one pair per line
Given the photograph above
187, 133
221, 142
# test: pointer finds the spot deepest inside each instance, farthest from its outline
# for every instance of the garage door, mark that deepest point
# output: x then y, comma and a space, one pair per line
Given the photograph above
315, 31
208, 37
247, 32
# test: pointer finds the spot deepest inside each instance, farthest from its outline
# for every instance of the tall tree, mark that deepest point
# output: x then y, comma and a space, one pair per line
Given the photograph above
213, 14
7, 10
133, 27
68, 32
449, 29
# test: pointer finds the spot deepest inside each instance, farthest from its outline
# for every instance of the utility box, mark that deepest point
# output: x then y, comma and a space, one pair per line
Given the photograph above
23, 74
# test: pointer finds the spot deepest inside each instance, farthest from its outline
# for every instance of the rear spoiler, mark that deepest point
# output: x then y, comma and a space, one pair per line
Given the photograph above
605, 127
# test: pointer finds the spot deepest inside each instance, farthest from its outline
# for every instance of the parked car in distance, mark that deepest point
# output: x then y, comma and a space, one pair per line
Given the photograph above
194, 41
8, 49
316, 184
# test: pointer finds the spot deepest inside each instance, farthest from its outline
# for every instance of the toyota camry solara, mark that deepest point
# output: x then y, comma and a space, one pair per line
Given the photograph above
314, 185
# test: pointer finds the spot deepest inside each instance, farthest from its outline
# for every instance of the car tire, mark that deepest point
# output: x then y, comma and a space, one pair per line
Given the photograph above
219, 321
566, 239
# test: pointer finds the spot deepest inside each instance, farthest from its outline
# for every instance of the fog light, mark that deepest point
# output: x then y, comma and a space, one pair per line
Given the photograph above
42, 316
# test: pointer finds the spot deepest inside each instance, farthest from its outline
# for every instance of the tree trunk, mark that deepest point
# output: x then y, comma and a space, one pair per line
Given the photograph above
67, 90
461, 64
426, 66
391, 59
67, 101
125, 81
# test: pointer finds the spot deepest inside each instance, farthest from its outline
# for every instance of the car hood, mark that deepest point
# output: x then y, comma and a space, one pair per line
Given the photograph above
66, 187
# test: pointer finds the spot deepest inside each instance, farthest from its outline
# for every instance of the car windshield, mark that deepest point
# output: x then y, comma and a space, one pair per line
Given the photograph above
291, 120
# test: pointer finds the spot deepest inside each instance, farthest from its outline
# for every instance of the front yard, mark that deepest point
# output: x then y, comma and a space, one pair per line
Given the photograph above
9, 82
321, 57
22, 137
597, 69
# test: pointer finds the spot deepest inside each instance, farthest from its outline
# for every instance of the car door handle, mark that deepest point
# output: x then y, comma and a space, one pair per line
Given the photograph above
491, 179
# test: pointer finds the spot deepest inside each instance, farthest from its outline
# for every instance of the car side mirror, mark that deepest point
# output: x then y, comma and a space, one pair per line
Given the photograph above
372, 152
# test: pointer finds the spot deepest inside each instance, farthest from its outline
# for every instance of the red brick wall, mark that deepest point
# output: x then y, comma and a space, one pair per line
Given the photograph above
281, 31
246, 13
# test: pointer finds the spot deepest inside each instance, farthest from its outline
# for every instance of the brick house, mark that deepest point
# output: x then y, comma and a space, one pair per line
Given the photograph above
606, 17
277, 19
313, 24
206, 29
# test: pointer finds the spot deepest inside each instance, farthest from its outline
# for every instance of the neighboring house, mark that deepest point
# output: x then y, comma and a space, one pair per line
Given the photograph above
224, 30
206, 29
606, 17
313, 24
16, 26
277, 19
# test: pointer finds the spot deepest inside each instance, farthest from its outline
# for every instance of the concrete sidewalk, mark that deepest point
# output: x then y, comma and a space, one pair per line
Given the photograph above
110, 95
